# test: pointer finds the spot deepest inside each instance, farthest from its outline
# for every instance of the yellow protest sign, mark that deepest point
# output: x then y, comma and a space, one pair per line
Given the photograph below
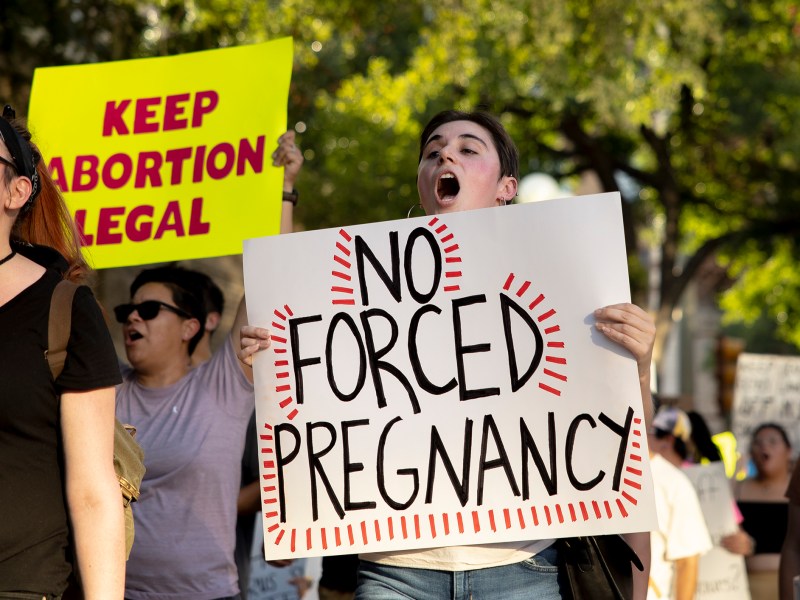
167, 158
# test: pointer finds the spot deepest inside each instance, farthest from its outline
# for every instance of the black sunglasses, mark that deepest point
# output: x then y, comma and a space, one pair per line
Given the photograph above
147, 310
8, 163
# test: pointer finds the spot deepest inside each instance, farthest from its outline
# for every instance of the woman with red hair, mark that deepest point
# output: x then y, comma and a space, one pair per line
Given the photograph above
59, 495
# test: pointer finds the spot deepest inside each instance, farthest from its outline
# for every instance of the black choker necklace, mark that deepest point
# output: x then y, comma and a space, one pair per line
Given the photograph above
8, 258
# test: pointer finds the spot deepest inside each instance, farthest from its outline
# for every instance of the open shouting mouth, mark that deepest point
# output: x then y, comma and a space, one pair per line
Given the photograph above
447, 187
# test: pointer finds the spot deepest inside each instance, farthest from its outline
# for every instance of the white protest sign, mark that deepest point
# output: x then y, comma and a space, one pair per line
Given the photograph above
721, 575
439, 381
767, 389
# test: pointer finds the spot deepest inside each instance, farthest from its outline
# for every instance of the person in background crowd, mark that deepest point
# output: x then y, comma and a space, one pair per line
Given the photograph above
763, 504
682, 536
468, 161
790, 551
59, 495
191, 423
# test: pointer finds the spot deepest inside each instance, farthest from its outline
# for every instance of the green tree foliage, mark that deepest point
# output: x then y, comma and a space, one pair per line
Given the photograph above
689, 107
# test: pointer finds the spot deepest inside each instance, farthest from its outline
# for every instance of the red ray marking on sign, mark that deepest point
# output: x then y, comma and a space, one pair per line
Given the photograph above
270, 500
636, 444
269, 488
635, 457
279, 314
547, 388
343, 249
452, 248
348, 301
282, 388
491, 521
536, 301
452, 274
572, 513
552, 329
559, 513
324, 539
555, 344
270, 515
637, 420
268, 464
350, 535
555, 359
278, 326
629, 498
452, 259
558, 376
377, 531
546, 315
447, 238
269, 476
390, 525
521, 518
267, 426
279, 350
507, 518
547, 514
634, 471
416, 525
476, 524
272, 528
403, 527
432, 523
433, 221
342, 261
509, 280
342, 290
266, 451
637, 432
608, 509
280, 340
286, 402
280, 537
308, 539
341, 275
584, 512
282, 374
441, 228
345, 235
596, 508
446, 523
266, 438
460, 521
622, 508
535, 516
523, 288
294, 536
281, 363
292, 414
337, 536
451, 288
288, 310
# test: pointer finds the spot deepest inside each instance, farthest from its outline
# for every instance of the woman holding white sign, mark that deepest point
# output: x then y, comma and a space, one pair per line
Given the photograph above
468, 161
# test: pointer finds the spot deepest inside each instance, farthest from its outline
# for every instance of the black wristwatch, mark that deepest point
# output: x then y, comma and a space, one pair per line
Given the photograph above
291, 197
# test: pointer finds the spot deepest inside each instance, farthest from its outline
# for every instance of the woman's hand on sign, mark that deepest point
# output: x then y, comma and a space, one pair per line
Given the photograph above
252, 340
632, 328
288, 156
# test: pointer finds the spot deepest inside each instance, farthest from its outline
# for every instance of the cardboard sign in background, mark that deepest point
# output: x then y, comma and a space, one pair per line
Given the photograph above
438, 381
167, 158
767, 390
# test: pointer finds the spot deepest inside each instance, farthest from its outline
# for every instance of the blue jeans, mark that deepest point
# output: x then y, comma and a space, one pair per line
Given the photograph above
536, 577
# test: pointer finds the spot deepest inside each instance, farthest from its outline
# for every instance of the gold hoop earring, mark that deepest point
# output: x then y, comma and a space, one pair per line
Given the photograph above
410, 210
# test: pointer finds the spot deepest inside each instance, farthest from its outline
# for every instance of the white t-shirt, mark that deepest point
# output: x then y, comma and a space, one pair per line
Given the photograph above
461, 558
681, 529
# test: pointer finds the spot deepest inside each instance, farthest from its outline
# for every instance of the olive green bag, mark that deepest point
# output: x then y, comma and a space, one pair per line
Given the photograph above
128, 454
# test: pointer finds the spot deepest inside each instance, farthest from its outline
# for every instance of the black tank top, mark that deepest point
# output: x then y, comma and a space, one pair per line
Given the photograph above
766, 523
